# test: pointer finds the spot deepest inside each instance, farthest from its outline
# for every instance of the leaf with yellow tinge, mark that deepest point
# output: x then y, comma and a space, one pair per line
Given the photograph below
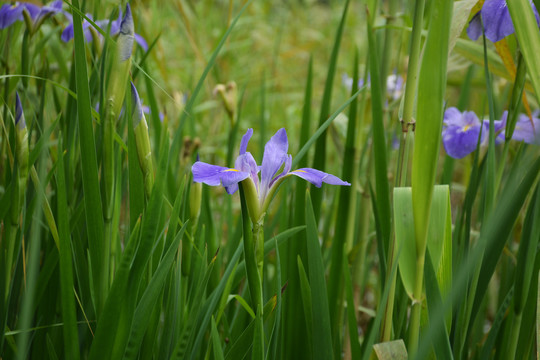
391, 350
506, 56
460, 18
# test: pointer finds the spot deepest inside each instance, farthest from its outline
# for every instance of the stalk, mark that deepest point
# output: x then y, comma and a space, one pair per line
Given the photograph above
414, 62
389, 38
401, 180
514, 334
407, 125
251, 258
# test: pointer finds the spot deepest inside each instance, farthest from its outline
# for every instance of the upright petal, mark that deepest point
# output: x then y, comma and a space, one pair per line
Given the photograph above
126, 37
48, 10
474, 30
275, 154
33, 10
214, 175
245, 141
317, 177
286, 169
246, 163
496, 19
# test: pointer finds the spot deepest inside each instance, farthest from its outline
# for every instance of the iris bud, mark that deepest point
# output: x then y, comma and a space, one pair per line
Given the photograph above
142, 140
229, 96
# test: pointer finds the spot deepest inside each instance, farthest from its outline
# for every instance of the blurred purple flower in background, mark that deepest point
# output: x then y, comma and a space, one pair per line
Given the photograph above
526, 130
68, 34
460, 132
394, 84
496, 19
9, 14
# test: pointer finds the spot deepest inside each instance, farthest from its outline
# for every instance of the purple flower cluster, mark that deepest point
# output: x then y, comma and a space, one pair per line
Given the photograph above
496, 19
9, 14
115, 27
463, 130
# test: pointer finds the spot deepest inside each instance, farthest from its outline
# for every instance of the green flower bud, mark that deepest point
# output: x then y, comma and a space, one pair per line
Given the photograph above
121, 65
142, 140
229, 96
22, 155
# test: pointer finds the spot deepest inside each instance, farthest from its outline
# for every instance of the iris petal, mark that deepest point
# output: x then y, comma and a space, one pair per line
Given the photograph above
496, 19
9, 14
247, 163
526, 130
459, 143
460, 132
214, 175
474, 30
245, 141
317, 177
275, 154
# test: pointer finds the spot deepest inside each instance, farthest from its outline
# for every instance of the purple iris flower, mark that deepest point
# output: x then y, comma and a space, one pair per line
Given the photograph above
496, 19
68, 33
526, 130
275, 158
460, 132
9, 14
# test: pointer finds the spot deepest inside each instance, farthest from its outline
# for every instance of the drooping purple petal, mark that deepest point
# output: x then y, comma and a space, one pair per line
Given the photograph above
474, 30
496, 19
275, 154
245, 141
214, 175
142, 43
460, 132
9, 14
317, 177
527, 130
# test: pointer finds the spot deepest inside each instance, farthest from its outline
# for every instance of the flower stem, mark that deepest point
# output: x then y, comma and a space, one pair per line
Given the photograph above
253, 275
416, 311
414, 62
